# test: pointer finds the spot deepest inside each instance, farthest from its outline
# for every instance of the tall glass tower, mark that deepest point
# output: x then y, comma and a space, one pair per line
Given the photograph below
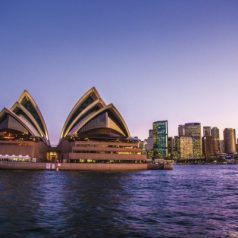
194, 130
160, 132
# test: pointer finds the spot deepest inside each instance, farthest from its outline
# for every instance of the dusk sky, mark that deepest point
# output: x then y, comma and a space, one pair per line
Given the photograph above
174, 60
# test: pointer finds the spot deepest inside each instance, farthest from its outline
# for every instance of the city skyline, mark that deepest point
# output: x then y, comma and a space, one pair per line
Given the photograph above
221, 130
155, 60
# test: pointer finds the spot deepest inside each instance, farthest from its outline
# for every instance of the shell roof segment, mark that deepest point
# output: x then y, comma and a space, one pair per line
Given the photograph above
28, 102
84, 102
16, 126
87, 115
26, 112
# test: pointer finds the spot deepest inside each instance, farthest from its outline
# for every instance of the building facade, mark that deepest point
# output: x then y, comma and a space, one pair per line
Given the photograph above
185, 147
181, 130
150, 141
206, 131
229, 140
194, 130
95, 132
210, 147
216, 136
211, 142
160, 131
222, 146
171, 147
176, 154
215, 133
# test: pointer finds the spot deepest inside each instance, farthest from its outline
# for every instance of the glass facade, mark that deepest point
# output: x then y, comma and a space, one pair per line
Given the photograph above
160, 132
185, 147
194, 130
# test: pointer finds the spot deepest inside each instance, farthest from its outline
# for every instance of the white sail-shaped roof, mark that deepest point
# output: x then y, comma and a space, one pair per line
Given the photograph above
91, 97
16, 123
91, 113
27, 109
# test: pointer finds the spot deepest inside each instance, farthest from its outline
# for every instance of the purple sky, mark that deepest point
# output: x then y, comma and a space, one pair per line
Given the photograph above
155, 60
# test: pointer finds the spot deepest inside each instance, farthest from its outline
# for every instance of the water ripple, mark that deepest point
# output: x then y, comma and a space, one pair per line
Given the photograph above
190, 201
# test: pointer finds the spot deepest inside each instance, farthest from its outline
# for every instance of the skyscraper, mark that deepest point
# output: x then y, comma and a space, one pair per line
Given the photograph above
210, 146
150, 141
206, 131
216, 137
230, 140
171, 147
185, 147
221, 146
215, 133
194, 130
176, 154
181, 130
160, 132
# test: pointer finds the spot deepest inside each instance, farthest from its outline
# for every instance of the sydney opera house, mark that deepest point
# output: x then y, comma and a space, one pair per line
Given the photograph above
93, 133
23, 132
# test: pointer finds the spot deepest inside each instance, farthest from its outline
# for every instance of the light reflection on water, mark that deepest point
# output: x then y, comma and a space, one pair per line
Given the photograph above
190, 201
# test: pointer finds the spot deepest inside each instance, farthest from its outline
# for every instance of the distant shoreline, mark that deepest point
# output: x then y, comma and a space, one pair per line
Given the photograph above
207, 162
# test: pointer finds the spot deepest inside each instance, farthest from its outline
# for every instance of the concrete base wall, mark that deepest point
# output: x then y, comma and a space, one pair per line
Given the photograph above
71, 166
33, 149
83, 166
101, 167
22, 165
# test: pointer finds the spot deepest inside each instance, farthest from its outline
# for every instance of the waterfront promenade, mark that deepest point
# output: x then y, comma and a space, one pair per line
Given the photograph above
5, 165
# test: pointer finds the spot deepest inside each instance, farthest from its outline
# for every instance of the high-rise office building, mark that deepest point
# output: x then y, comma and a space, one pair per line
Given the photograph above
185, 147
221, 146
215, 133
176, 154
150, 141
216, 136
194, 130
160, 132
171, 146
181, 130
210, 146
206, 131
210, 142
229, 140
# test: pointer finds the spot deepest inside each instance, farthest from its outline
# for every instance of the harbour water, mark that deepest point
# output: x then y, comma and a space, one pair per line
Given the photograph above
189, 201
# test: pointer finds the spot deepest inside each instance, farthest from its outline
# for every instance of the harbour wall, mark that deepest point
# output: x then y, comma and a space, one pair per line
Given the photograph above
71, 166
